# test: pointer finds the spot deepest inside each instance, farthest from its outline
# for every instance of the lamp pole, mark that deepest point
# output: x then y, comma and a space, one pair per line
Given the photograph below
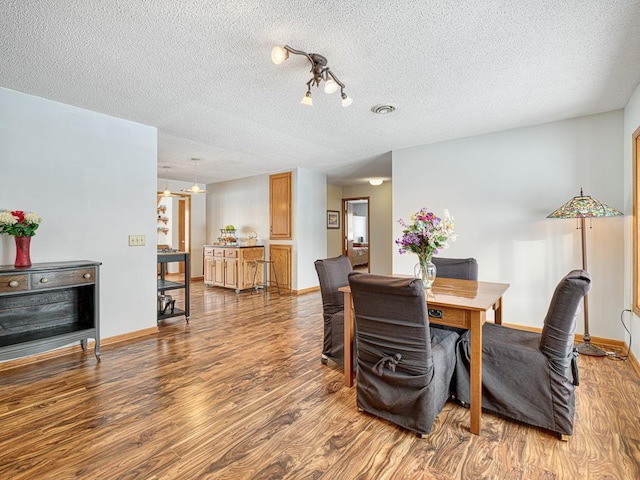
585, 347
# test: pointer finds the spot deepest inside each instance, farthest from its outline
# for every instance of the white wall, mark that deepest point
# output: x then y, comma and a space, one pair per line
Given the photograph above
631, 124
311, 201
91, 178
360, 228
243, 203
198, 224
334, 236
380, 243
500, 188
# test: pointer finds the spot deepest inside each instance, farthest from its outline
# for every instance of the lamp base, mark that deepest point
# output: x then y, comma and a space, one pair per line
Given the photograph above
587, 349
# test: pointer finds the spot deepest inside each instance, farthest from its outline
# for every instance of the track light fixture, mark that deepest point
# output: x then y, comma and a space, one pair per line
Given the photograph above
320, 71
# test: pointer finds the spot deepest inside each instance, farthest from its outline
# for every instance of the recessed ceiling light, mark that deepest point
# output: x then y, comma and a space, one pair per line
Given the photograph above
383, 109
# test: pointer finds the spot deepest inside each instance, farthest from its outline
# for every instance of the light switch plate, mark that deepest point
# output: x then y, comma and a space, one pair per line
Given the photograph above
136, 240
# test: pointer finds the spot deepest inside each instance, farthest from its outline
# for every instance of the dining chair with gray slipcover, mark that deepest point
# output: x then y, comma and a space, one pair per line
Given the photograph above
332, 274
528, 376
403, 368
463, 268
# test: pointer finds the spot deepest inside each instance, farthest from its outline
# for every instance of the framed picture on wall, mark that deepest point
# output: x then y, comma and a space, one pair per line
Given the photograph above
333, 219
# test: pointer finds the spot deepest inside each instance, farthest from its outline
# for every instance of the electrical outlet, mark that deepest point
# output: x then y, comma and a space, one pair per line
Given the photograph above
136, 240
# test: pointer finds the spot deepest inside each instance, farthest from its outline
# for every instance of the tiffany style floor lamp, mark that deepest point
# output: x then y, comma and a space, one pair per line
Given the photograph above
581, 207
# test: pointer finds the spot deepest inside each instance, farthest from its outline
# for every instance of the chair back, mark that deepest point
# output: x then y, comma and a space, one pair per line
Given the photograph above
463, 268
332, 274
390, 320
556, 341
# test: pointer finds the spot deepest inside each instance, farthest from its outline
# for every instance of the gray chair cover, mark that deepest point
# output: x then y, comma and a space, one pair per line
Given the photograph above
404, 369
464, 268
527, 376
332, 274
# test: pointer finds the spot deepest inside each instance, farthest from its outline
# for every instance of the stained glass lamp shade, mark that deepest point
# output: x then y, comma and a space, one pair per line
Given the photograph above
584, 206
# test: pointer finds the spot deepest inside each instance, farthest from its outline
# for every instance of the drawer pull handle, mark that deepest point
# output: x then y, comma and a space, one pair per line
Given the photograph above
87, 275
435, 313
13, 283
44, 280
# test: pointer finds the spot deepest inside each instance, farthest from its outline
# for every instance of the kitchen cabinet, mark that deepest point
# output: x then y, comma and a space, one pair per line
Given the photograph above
280, 206
231, 273
282, 257
232, 266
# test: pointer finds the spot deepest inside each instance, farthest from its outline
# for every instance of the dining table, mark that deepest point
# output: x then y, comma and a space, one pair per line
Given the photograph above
455, 303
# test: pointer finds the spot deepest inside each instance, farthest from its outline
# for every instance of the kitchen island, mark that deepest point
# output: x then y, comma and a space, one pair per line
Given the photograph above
232, 266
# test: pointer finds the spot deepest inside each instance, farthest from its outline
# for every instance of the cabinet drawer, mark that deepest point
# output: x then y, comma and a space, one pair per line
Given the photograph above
218, 252
13, 283
231, 253
62, 278
208, 251
453, 317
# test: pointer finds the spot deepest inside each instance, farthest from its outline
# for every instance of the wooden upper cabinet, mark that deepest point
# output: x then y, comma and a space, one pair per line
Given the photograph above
280, 206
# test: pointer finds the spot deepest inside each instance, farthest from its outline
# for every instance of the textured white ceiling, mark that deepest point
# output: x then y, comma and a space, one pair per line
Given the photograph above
201, 72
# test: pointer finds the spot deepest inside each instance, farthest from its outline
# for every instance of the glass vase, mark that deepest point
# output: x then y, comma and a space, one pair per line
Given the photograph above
23, 252
426, 271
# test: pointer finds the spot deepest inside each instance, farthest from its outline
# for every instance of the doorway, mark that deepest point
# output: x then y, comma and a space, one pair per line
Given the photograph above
174, 225
356, 239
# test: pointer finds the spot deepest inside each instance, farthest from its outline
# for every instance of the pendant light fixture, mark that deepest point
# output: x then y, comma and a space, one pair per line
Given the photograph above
195, 188
167, 192
321, 73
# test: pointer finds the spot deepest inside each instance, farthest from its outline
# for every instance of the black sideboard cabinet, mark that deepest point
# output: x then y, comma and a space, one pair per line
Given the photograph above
49, 305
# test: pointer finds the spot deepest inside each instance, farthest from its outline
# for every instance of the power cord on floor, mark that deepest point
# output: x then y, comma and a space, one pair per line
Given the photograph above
614, 355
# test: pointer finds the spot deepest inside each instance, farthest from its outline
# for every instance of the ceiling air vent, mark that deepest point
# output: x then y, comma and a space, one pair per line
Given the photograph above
383, 109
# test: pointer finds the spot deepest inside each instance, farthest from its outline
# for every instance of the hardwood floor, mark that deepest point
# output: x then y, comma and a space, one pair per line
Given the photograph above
240, 393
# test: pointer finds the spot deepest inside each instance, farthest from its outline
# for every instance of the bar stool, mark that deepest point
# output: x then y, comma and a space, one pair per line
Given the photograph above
265, 283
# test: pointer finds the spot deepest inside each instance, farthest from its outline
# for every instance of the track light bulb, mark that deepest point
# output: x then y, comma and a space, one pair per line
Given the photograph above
279, 55
330, 86
346, 101
307, 100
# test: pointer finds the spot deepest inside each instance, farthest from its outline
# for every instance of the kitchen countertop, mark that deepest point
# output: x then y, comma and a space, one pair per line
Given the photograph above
234, 246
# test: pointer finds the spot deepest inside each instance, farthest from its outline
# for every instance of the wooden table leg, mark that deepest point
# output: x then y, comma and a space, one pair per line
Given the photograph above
497, 308
477, 319
348, 340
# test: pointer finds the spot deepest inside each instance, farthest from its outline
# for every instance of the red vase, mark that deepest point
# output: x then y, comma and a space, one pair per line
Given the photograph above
23, 251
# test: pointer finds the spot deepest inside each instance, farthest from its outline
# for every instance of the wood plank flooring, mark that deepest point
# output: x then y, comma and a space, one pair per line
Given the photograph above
240, 393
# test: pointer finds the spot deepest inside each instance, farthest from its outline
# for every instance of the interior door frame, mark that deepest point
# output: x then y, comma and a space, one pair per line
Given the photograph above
184, 224
345, 225
635, 149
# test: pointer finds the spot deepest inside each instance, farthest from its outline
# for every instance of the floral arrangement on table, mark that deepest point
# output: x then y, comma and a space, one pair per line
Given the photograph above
426, 235
19, 223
